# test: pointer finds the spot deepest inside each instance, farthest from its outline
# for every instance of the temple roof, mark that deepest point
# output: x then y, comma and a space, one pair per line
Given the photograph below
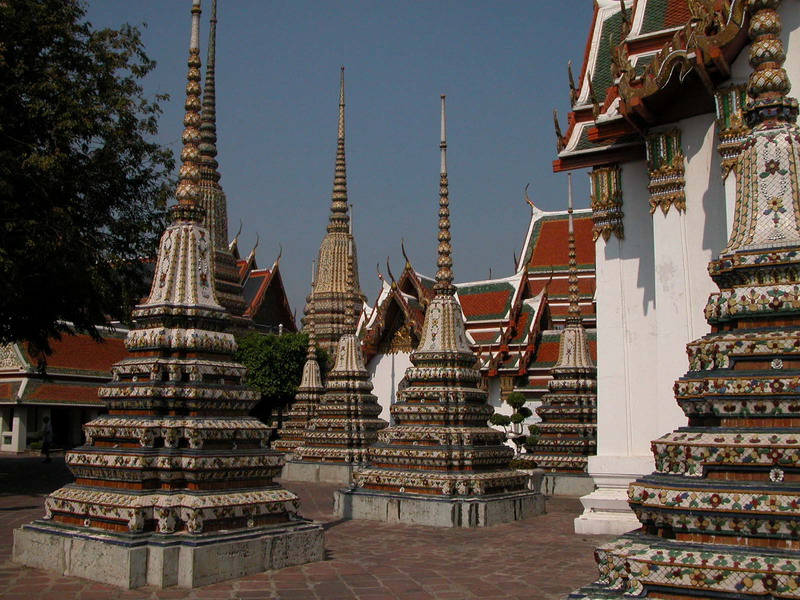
80, 355
488, 300
71, 375
627, 82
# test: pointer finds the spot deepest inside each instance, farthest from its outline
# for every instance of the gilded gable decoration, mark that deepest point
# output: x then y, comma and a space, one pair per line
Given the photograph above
606, 190
730, 102
666, 166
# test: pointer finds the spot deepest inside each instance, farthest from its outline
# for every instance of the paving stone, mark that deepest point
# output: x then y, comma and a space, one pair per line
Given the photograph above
535, 559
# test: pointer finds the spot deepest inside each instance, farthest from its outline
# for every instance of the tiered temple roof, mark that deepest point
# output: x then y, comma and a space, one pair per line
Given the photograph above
177, 457
333, 299
264, 293
440, 445
70, 376
513, 324
719, 514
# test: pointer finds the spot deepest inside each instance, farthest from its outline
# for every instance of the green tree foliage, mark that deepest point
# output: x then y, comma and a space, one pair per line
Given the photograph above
275, 366
82, 185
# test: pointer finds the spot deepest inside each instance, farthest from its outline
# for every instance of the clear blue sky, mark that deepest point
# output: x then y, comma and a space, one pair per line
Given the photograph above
502, 65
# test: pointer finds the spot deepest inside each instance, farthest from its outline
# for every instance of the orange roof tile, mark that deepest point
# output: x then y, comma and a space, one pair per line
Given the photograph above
487, 304
81, 353
552, 249
55, 393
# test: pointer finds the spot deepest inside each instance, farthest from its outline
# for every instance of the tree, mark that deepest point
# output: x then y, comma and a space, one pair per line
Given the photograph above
82, 185
274, 367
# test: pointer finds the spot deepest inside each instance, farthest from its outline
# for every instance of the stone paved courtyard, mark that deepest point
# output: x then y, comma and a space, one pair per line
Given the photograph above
539, 559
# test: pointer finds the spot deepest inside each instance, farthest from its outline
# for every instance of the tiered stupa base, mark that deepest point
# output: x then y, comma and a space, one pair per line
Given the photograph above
570, 485
164, 560
306, 470
401, 505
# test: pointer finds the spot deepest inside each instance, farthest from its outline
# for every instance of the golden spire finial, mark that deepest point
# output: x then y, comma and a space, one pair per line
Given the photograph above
188, 192
312, 334
574, 312
339, 219
444, 275
768, 84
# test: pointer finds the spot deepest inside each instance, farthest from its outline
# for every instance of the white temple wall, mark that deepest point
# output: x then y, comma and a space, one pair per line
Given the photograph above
386, 371
684, 243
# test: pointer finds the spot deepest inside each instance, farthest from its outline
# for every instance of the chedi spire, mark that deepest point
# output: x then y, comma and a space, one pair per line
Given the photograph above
177, 466
212, 197
567, 432
290, 435
440, 464
338, 300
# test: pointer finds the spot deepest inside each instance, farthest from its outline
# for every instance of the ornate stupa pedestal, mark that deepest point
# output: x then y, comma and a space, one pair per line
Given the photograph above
441, 464
567, 433
721, 514
175, 485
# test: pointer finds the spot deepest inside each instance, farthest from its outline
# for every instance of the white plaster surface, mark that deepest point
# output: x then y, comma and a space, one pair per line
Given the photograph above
386, 371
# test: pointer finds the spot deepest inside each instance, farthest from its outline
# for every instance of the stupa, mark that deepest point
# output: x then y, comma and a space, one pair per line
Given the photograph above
721, 514
335, 303
567, 432
227, 287
297, 418
345, 421
441, 464
175, 485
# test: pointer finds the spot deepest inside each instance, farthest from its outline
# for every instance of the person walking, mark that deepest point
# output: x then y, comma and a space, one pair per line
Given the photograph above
47, 438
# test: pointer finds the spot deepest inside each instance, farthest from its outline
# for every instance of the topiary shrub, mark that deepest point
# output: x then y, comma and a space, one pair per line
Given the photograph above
516, 400
500, 420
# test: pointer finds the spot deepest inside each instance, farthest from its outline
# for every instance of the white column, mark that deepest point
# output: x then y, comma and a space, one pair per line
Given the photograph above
626, 350
5, 427
19, 429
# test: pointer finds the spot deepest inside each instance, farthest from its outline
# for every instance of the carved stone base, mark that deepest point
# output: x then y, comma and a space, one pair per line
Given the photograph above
306, 470
165, 560
567, 484
418, 509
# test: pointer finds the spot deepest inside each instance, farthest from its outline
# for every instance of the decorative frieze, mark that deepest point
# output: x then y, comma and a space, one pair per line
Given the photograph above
666, 166
606, 190
732, 128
